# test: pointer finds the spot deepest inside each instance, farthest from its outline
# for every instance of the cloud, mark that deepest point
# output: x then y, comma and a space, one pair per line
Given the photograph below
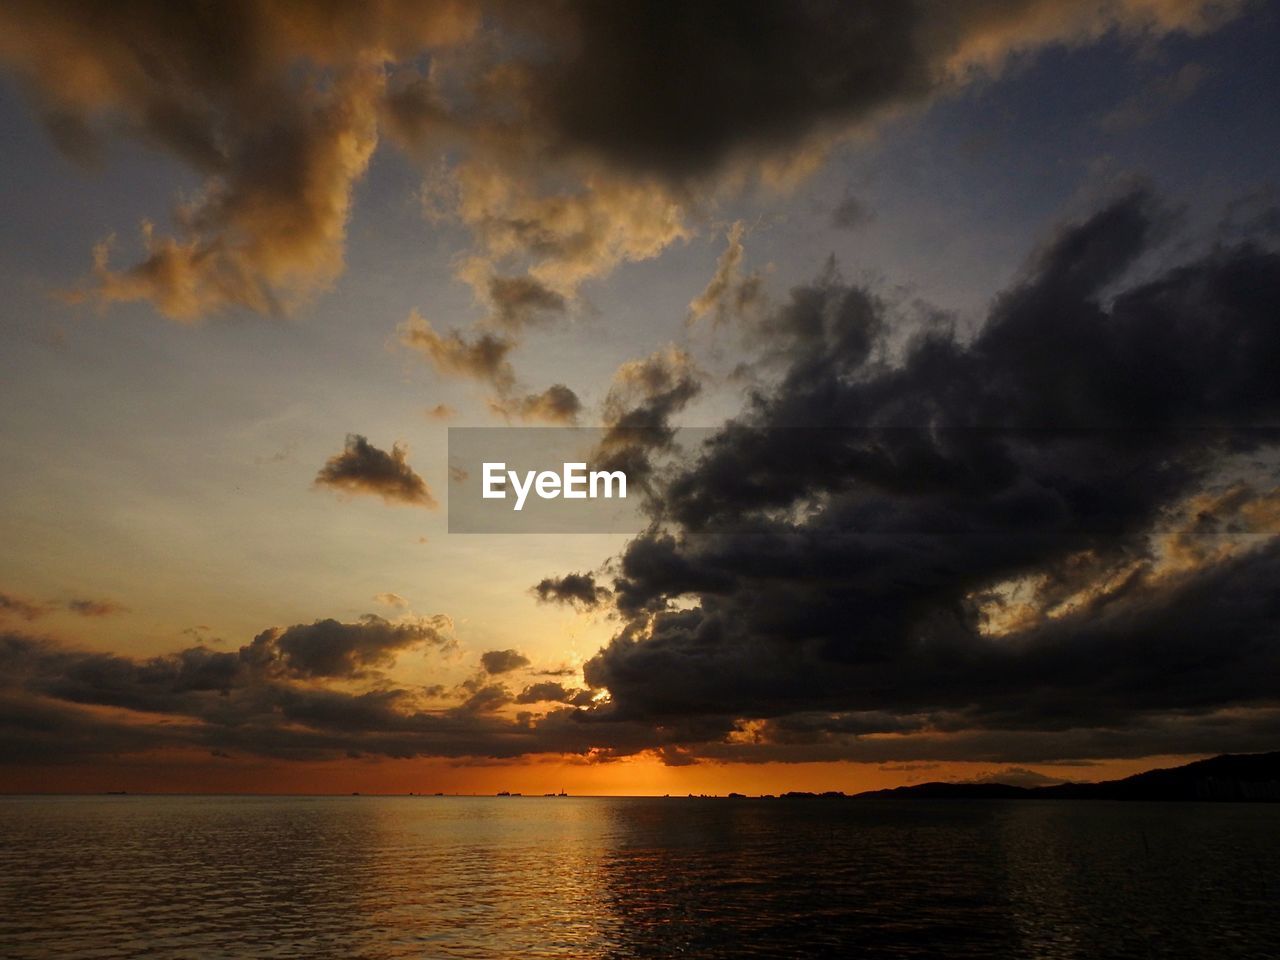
575, 589
486, 699
565, 234
611, 156
96, 608
1155, 98
20, 607
728, 293
556, 404
32, 610
319, 696
304, 692
330, 648
829, 64
362, 468
567, 137
482, 358
682, 94
850, 213
520, 301
391, 600
503, 661
550, 692
268, 231
836, 552
276, 107
441, 412
646, 393
563, 671
727, 269
1054, 540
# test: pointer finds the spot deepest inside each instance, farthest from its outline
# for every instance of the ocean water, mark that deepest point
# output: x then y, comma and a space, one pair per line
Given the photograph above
393, 877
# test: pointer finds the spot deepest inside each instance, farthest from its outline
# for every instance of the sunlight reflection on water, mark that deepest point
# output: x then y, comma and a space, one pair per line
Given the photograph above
383, 877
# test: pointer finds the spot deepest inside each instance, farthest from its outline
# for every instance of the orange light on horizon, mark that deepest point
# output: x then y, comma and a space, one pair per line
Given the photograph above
187, 771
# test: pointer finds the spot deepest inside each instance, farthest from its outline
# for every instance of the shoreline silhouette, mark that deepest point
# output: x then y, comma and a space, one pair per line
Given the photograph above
1253, 778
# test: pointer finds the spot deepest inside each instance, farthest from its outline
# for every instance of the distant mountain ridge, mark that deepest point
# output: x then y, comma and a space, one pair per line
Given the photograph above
1230, 777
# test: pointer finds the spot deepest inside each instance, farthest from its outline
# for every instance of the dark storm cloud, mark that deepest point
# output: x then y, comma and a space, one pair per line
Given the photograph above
38, 730
575, 589
330, 648
179, 682
263, 700
681, 89
364, 469
549, 691
1215, 634
486, 698
836, 548
503, 661
702, 81
158, 684
266, 701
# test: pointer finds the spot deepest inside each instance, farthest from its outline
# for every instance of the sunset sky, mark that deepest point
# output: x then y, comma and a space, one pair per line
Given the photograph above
1010, 264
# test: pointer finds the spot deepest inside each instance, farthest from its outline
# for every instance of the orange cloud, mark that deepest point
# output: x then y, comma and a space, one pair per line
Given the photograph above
562, 163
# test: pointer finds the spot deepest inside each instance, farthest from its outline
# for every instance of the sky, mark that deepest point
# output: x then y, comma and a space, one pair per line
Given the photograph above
969, 309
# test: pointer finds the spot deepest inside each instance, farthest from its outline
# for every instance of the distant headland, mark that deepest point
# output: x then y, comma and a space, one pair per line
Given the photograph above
1231, 777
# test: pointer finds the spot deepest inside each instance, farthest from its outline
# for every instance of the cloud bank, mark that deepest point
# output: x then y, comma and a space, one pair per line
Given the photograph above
568, 137
1050, 541
1053, 541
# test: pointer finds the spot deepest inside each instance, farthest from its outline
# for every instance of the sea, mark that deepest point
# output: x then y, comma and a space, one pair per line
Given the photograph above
527, 877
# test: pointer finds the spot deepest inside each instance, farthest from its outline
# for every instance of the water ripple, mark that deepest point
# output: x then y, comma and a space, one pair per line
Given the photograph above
425, 877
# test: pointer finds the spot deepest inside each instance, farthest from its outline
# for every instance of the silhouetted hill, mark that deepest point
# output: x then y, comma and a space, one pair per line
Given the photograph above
1231, 777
